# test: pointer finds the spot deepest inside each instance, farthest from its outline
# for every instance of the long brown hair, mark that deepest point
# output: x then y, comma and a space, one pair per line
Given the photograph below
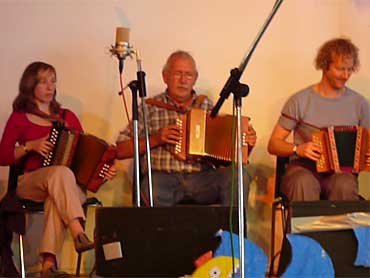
25, 100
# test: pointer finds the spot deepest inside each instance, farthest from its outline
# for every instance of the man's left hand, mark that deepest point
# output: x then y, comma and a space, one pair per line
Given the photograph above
251, 136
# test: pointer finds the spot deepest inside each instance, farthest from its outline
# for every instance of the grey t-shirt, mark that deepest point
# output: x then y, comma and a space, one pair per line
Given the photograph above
307, 111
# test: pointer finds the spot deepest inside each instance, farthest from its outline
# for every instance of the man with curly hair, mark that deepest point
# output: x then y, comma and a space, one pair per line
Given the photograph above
328, 103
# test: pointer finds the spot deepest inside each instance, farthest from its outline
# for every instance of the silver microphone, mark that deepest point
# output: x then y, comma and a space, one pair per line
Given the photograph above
122, 48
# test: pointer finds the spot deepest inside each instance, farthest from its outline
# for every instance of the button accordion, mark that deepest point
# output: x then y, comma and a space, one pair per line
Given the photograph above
204, 136
342, 147
88, 156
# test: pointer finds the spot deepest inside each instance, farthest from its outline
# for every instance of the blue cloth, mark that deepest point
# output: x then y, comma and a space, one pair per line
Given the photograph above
309, 259
255, 260
363, 249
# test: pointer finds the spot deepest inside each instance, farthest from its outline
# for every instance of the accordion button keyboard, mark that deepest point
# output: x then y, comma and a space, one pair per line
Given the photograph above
104, 170
244, 139
178, 145
322, 161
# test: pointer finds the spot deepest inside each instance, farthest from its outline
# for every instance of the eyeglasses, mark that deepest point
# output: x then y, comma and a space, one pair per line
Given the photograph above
186, 75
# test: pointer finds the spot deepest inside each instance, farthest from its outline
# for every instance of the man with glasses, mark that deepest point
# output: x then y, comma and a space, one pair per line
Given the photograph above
175, 180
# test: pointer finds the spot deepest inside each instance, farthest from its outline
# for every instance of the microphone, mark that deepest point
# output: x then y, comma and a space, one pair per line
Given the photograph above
122, 48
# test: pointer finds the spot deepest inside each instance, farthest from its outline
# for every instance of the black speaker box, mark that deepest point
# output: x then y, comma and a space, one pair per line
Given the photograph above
157, 242
340, 245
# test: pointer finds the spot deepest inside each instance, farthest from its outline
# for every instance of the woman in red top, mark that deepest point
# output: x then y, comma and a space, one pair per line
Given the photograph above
25, 137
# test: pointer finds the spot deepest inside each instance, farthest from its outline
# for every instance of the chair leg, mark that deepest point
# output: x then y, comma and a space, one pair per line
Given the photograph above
21, 256
79, 254
272, 241
97, 203
78, 268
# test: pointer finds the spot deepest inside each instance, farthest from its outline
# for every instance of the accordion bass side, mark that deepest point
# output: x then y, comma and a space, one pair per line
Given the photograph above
88, 156
342, 147
204, 136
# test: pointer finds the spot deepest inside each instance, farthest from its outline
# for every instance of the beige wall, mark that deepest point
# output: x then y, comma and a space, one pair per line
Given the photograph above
75, 37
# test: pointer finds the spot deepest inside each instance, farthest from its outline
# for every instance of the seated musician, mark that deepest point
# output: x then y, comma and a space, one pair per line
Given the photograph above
25, 138
174, 180
327, 103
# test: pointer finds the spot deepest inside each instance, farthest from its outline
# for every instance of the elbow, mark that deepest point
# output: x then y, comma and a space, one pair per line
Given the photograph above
124, 150
270, 148
273, 147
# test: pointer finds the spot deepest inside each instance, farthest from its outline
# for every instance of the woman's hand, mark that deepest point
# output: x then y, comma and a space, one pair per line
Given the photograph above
41, 146
112, 172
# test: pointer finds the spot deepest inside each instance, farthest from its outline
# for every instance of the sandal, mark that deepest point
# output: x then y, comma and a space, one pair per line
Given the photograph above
83, 243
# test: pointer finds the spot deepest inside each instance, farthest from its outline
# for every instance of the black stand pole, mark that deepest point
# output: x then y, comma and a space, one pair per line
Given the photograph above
240, 90
232, 86
139, 85
142, 94
133, 85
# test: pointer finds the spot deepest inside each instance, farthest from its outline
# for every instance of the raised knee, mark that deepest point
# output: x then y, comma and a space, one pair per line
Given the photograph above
63, 172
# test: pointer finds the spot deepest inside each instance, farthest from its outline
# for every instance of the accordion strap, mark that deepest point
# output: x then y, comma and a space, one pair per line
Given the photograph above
161, 104
60, 122
198, 101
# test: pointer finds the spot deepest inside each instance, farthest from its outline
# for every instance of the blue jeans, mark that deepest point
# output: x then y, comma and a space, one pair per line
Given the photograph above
205, 187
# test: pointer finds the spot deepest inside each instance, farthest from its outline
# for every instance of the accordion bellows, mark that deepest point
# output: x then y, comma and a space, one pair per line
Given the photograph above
342, 147
88, 156
204, 136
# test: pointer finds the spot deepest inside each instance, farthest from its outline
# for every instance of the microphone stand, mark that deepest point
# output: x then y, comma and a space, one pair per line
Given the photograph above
139, 85
133, 85
142, 94
241, 90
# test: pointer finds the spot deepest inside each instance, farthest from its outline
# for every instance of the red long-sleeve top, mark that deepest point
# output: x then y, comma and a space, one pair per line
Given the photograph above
19, 129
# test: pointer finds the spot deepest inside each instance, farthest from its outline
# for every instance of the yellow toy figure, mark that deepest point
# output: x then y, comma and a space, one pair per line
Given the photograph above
219, 267
219, 264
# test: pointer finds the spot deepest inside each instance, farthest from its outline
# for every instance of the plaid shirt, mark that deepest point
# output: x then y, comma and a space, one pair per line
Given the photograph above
157, 117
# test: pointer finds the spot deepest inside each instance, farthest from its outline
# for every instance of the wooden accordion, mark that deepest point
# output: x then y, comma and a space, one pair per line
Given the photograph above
342, 147
204, 136
88, 156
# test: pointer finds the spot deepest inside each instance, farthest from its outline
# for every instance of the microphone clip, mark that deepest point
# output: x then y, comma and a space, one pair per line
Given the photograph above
122, 50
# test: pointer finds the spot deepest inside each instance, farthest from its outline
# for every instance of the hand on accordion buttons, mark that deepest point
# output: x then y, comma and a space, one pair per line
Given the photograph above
112, 172
42, 146
169, 135
251, 136
309, 150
